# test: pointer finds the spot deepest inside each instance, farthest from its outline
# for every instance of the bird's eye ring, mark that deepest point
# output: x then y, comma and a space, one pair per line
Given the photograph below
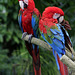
56, 14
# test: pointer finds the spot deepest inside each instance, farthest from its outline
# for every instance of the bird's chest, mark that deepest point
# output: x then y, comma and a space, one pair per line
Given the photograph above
26, 21
26, 18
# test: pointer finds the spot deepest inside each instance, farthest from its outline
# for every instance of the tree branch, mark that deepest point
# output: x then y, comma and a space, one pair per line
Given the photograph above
48, 47
67, 61
72, 57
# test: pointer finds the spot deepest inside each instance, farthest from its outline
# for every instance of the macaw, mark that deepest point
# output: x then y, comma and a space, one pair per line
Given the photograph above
53, 29
28, 19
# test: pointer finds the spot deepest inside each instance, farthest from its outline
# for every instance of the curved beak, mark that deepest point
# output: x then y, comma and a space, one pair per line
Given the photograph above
60, 19
21, 4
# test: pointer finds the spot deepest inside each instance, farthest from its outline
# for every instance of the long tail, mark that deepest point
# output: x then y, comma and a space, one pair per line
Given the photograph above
36, 58
37, 66
61, 67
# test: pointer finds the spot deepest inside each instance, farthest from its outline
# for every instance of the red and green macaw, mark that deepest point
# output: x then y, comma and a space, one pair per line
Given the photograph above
28, 19
53, 30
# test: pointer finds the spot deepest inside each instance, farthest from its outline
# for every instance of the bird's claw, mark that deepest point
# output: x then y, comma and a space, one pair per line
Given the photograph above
30, 37
24, 34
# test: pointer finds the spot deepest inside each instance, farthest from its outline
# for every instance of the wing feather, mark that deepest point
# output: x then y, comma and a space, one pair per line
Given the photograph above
67, 39
35, 24
54, 37
20, 21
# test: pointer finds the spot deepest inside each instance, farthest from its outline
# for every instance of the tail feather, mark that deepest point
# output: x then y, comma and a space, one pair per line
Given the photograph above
62, 71
37, 66
66, 70
37, 72
55, 55
63, 67
36, 61
35, 56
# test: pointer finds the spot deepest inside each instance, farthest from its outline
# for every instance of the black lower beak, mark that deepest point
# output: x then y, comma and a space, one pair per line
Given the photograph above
58, 19
25, 5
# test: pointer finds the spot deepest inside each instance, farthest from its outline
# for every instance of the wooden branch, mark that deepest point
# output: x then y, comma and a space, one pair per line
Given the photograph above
67, 61
46, 46
72, 50
72, 57
38, 42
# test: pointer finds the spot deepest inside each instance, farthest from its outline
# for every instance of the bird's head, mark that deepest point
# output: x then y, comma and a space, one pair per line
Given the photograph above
57, 16
54, 13
26, 4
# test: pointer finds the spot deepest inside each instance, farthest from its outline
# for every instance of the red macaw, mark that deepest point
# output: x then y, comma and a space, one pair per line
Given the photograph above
29, 21
53, 30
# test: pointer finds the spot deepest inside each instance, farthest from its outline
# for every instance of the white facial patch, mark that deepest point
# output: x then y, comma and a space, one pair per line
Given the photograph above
21, 4
26, 1
55, 16
61, 19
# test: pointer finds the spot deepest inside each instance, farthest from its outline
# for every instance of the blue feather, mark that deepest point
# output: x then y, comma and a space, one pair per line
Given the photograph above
35, 23
55, 55
53, 31
58, 41
59, 37
33, 46
53, 45
20, 21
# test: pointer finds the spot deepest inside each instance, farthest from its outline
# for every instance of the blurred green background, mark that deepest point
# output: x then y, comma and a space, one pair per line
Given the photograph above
14, 58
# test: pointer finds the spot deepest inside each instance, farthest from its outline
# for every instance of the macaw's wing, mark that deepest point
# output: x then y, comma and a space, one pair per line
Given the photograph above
53, 36
35, 24
20, 21
68, 42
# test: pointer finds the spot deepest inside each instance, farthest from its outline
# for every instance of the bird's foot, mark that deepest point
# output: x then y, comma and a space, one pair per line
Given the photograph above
30, 37
24, 34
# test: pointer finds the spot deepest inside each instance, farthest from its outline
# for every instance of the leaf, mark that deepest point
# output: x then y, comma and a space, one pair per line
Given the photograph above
1, 38
16, 39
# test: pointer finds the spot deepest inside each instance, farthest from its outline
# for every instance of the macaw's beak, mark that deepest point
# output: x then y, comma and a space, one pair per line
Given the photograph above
66, 25
25, 5
21, 4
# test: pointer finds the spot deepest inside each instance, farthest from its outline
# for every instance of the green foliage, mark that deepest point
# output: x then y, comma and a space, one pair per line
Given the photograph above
14, 58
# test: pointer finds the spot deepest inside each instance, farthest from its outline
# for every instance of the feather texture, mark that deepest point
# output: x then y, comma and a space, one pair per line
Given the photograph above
55, 37
35, 23
20, 20
28, 23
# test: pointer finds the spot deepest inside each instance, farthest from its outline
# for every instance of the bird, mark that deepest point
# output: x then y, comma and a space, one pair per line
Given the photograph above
53, 29
28, 19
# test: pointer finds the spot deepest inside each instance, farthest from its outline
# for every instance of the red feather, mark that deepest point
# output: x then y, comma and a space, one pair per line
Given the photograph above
48, 20
27, 27
63, 67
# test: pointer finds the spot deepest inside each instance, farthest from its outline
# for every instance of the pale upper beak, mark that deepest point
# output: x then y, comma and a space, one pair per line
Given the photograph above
58, 17
61, 18
21, 4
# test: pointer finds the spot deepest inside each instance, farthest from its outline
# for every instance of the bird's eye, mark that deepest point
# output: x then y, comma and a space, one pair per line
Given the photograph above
56, 15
